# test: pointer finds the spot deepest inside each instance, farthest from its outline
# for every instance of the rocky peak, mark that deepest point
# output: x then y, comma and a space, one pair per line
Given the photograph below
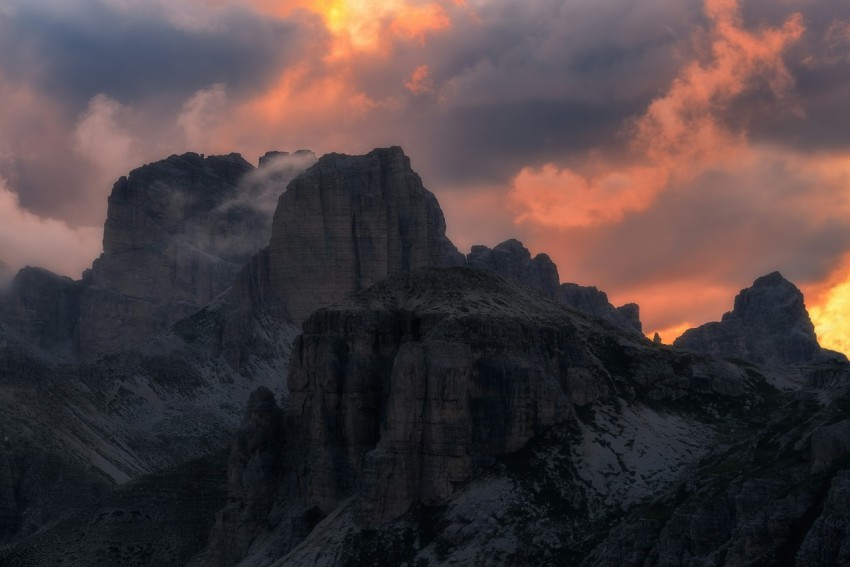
594, 301
273, 158
768, 325
771, 296
176, 235
513, 260
350, 221
178, 198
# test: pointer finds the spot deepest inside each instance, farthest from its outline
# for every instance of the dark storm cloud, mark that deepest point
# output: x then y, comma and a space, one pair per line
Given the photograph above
87, 47
820, 65
525, 83
490, 143
58, 61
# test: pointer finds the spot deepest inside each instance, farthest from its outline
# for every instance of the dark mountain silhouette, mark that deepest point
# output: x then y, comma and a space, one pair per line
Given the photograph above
388, 401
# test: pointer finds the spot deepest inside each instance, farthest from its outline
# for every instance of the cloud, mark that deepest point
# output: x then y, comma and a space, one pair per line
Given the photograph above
201, 113
682, 132
420, 81
776, 211
133, 51
103, 138
26, 239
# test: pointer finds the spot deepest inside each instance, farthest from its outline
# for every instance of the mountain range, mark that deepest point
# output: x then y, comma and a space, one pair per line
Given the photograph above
292, 364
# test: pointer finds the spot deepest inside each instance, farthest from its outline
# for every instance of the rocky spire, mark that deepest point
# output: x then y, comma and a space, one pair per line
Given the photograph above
350, 221
769, 325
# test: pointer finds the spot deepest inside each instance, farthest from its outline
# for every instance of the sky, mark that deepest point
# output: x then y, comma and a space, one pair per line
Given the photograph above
667, 151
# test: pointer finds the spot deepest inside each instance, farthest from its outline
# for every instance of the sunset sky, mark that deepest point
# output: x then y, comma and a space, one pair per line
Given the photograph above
666, 151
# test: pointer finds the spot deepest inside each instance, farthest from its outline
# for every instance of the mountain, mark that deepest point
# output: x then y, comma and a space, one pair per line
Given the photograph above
123, 374
349, 222
415, 405
170, 393
769, 325
387, 400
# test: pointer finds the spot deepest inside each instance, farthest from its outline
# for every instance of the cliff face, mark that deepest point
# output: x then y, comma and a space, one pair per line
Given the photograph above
778, 497
177, 234
769, 325
172, 242
350, 221
403, 394
150, 392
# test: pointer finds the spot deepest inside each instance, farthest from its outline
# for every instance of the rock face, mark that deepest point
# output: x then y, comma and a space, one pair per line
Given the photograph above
769, 325
350, 221
253, 468
177, 233
160, 519
512, 260
778, 497
43, 309
593, 301
402, 394
171, 243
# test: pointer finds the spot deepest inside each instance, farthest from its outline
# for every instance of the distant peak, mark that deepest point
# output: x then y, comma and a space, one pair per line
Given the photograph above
768, 325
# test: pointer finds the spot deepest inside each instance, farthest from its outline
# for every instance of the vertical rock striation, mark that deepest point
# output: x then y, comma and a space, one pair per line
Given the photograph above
171, 244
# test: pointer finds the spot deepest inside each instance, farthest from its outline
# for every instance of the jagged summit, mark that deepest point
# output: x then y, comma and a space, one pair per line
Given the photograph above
768, 325
176, 235
350, 221
511, 259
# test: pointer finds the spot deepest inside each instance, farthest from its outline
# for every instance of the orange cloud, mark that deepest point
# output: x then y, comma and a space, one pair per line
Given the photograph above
368, 25
420, 81
540, 196
679, 136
